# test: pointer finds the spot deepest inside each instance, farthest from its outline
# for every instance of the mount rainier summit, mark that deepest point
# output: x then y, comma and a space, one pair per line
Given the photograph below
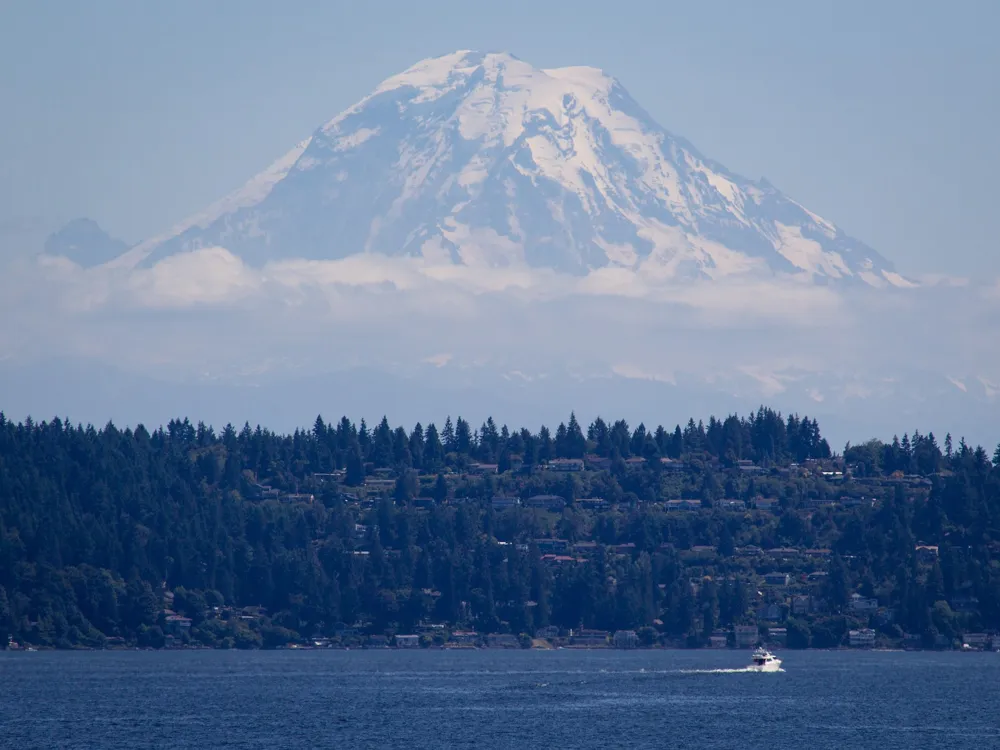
483, 160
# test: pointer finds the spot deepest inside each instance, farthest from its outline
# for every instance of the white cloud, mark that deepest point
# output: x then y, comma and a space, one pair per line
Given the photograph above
438, 360
633, 372
210, 276
206, 315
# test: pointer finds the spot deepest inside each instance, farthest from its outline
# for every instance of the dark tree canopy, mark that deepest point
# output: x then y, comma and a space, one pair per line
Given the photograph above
247, 538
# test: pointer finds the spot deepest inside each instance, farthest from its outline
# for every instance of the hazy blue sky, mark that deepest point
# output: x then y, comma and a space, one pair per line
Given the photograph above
881, 116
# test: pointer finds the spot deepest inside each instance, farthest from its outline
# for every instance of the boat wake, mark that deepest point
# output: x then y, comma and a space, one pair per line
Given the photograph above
742, 670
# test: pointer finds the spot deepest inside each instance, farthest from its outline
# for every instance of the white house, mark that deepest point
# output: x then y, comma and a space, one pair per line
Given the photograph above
864, 638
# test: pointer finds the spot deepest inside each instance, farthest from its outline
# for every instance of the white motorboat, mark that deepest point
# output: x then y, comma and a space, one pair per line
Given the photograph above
763, 660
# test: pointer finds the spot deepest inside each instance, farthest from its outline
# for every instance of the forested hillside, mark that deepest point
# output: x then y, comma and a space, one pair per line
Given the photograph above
246, 538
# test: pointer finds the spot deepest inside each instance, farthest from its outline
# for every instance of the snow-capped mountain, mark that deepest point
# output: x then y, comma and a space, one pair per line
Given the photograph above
482, 159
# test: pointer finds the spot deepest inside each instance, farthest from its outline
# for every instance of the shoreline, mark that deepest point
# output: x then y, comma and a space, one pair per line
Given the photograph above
774, 649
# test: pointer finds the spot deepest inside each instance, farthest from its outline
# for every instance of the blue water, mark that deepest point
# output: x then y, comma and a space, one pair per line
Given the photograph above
496, 699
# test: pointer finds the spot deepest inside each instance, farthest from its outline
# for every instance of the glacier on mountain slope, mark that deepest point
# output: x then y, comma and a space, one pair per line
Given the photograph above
483, 160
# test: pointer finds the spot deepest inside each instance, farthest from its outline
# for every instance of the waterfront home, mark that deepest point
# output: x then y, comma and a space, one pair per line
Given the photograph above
464, 638
778, 636
864, 638
976, 640
746, 636
589, 638
177, 625
625, 639
407, 641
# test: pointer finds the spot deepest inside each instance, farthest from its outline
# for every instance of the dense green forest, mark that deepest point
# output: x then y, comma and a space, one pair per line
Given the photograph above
246, 538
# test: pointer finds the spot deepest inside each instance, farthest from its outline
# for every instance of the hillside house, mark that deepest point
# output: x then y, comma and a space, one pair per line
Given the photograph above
501, 502
481, 469
683, 504
777, 579
597, 463
552, 503
565, 464
593, 504
635, 464
862, 606
552, 546
767, 504
749, 467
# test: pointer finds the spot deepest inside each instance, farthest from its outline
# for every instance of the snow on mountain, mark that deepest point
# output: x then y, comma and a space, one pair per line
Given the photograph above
483, 160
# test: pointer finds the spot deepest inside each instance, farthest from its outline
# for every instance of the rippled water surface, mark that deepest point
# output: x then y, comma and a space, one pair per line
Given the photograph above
496, 699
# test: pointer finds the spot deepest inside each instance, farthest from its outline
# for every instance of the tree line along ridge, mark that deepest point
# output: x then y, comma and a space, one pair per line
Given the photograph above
247, 538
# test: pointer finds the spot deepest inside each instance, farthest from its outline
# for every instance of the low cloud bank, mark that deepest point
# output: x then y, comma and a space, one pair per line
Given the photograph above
207, 315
